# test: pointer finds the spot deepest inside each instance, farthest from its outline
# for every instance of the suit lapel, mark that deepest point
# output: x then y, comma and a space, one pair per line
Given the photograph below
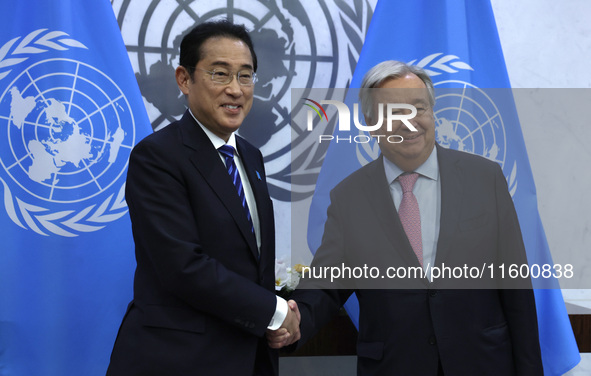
207, 161
451, 199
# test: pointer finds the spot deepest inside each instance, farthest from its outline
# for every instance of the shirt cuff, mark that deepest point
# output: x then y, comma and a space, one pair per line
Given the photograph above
280, 314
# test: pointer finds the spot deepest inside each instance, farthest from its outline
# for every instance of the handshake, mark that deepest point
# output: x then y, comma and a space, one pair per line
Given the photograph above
289, 332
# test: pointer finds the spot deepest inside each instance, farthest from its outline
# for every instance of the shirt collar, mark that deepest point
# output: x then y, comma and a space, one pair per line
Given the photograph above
429, 169
215, 139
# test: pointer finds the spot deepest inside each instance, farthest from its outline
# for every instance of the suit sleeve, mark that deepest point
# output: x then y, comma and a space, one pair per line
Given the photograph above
317, 303
518, 304
169, 246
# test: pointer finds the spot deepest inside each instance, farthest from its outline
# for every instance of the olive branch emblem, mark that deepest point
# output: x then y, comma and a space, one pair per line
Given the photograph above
36, 42
41, 220
436, 64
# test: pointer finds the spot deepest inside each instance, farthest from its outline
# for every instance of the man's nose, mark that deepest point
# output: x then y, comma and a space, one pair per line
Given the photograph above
234, 88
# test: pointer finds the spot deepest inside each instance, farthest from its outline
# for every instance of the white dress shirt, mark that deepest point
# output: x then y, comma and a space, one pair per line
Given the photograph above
281, 307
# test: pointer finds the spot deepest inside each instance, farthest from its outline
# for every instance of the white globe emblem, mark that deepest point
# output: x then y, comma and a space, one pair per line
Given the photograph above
467, 119
68, 131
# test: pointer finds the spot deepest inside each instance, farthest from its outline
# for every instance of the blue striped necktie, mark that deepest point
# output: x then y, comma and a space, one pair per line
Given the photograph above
228, 154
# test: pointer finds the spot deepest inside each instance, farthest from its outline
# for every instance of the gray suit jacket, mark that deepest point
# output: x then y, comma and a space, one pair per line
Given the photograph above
406, 327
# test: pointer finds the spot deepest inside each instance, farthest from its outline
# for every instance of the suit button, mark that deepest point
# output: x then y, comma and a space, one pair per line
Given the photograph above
433, 293
432, 340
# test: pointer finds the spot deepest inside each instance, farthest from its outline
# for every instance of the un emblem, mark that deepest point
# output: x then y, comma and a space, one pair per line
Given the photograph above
299, 45
67, 131
468, 120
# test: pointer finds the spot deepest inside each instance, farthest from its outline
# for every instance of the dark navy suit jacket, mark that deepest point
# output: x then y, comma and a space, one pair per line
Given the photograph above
202, 295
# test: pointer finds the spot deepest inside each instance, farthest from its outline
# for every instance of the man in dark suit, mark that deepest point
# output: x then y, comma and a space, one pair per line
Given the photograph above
417, 206
202, 218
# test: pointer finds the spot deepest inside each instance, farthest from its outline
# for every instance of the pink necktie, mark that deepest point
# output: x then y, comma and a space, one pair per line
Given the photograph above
409, 214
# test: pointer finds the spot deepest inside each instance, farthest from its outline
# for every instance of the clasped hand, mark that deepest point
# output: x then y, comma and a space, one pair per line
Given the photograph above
289, 332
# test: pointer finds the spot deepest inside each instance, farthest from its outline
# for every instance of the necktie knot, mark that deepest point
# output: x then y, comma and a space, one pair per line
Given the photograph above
227, 151
407, 181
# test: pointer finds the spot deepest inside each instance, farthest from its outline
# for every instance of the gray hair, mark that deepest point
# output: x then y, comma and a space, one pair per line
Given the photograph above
387, 70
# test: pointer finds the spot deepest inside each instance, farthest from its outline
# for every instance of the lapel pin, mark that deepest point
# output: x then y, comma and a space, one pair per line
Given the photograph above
258, 175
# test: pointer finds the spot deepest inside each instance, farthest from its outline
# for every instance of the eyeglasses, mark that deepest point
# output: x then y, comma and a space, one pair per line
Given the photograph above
223, 76
422, 109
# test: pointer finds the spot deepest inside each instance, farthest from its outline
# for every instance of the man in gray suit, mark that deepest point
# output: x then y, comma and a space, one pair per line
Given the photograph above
421, 205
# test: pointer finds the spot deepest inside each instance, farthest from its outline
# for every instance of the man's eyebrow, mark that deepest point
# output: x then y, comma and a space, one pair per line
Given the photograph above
227, 65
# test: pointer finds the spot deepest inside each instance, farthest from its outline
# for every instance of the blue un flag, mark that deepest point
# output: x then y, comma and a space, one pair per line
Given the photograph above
457, 43
70, 113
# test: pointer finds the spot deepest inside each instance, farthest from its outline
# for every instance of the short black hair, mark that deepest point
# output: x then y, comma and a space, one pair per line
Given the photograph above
190, 53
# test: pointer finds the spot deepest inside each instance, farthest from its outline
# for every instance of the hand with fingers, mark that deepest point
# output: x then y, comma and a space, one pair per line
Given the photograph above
289, 332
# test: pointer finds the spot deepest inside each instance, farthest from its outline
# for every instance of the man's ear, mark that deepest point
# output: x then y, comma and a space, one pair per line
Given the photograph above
183, 79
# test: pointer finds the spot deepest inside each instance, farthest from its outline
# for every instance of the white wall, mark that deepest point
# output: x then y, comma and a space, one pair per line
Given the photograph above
547, 44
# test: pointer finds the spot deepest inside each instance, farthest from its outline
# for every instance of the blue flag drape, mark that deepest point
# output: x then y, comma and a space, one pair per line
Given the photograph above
70, 112
457, 43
